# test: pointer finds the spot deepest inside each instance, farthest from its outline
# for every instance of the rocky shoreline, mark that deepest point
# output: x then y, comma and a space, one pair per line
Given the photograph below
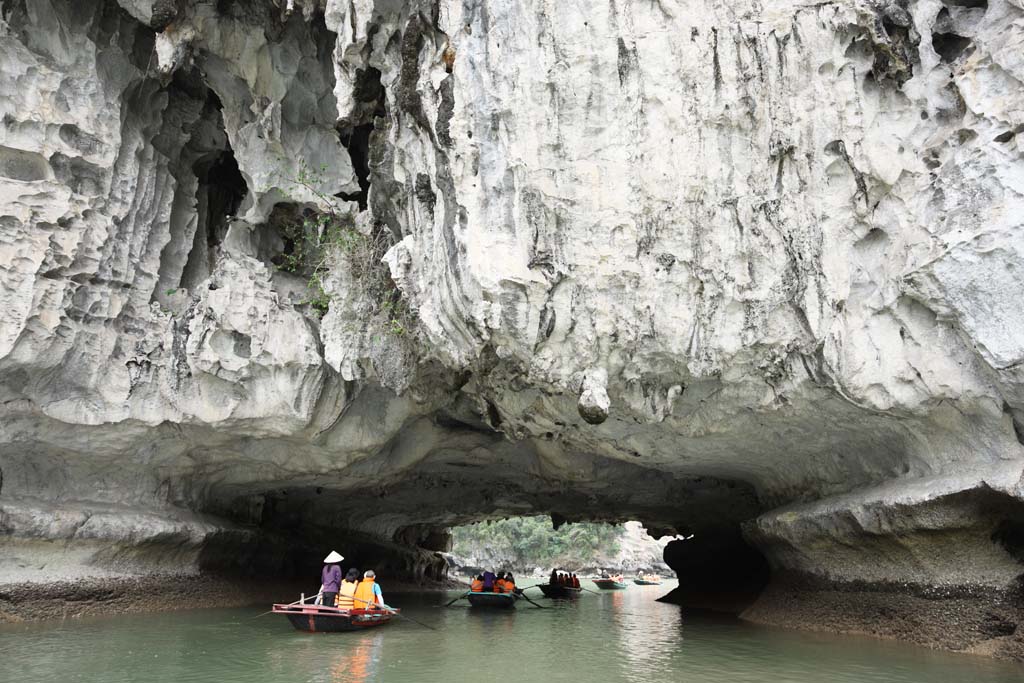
962, 619
108, 596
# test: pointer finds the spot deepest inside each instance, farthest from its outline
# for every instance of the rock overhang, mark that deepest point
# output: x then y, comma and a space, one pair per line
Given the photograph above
640, 274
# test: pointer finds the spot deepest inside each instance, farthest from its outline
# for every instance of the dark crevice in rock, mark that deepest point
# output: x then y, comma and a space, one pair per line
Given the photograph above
1010, 534
409, 98
356, 132
448, 421
445, 111
969, 4
894, 41
493, 416
949, 46
220, 191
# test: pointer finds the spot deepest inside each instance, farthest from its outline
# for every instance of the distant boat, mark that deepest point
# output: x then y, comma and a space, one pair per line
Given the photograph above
647, 580
321, 619
492, 600
611, 584
554, 590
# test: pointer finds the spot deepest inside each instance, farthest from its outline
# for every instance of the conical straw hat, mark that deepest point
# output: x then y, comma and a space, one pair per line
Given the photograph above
333, 558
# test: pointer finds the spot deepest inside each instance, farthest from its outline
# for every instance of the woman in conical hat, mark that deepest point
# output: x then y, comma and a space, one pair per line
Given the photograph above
330, 577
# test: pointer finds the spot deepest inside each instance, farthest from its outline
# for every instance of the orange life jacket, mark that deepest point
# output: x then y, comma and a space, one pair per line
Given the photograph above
364, 597
499, 586
510, 586
575, 582
345, 593
477, 586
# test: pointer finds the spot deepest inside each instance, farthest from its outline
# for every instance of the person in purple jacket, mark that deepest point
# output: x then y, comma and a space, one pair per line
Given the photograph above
330, 579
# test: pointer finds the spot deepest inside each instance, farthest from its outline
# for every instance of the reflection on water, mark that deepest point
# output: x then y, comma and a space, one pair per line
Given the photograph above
356, 662
616, 636
646, 639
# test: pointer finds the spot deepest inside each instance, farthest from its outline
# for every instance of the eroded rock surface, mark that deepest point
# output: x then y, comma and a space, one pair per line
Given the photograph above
743, 269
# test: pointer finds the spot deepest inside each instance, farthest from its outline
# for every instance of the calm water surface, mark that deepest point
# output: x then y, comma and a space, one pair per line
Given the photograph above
614, 636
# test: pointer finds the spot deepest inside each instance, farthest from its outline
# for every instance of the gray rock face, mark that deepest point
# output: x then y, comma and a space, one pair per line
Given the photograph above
712, 265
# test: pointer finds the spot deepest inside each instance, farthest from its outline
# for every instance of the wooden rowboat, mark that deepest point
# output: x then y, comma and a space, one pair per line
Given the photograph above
492, 600
554, 590
656, 581
321, 619
610, 584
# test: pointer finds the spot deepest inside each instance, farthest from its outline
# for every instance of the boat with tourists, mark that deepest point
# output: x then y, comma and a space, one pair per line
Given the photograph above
492, 600
324, 619
559, 592
608, 583
647, 579
561, 585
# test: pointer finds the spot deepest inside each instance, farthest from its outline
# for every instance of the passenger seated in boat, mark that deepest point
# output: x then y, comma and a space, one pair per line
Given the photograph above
368, 594
348, 589
499, 583
510, 583
478, 584
554, 577
575, 581
489, 579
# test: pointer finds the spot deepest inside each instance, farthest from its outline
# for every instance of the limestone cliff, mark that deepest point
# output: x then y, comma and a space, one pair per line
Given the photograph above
750, 270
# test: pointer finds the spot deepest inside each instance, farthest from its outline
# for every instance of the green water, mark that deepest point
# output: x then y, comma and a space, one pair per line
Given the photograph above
614, 636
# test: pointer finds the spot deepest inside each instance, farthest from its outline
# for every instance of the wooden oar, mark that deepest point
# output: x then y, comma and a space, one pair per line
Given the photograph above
526, 597
290, 604
453, 601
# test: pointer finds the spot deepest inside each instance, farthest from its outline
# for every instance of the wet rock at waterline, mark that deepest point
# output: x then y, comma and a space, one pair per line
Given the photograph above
277, 273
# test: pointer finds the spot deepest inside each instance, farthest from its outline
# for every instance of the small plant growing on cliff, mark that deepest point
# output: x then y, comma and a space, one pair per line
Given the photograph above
314, 237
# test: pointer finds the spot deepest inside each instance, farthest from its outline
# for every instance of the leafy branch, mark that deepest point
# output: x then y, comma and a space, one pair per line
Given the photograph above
316, 236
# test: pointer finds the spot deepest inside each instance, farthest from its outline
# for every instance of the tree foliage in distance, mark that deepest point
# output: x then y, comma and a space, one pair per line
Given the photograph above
532, 541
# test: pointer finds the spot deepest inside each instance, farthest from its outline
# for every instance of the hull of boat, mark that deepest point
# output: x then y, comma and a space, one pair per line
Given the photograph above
645, 582
320, 619
609, 585
492, 600
563, 592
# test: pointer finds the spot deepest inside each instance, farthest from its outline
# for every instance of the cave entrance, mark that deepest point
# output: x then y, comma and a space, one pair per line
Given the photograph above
414, 527
717, 569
